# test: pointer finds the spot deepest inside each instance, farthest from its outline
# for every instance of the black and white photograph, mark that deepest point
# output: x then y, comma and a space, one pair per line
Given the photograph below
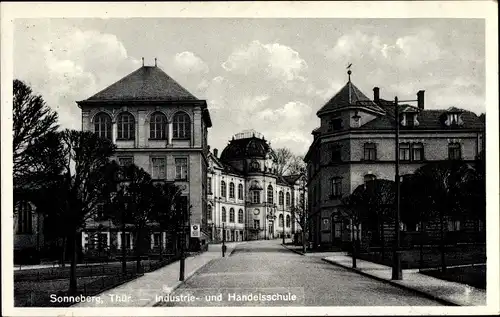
179, 160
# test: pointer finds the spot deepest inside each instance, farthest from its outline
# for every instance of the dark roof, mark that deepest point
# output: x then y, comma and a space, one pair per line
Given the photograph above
245, 148
148, 83
428, 119
227, 168
291, 179
349, 95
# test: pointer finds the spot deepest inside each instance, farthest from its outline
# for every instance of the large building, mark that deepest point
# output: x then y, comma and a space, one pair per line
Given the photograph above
246, 197
159, 126
355, 142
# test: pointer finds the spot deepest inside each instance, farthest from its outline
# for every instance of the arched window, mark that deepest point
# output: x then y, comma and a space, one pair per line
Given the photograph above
126, 126
102, 125
24, 218
209, 212
223, 189
288, 199
231, 215
223, 214
288, 221
281, 198
182, 126
270, 192
240, 191
158, 126
240, 216
281, 220
231, 190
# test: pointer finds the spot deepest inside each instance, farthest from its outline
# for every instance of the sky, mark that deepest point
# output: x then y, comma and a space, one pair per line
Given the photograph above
271, 75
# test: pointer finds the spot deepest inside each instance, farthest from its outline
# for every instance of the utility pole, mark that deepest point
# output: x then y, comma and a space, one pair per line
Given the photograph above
183, 238
283, 227
303, 217
397, 273
223, 240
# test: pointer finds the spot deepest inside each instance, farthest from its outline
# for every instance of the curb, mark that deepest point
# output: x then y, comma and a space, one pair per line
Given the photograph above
295, 251
421, 293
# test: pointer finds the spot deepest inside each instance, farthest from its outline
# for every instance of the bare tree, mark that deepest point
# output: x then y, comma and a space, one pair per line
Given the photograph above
288, 163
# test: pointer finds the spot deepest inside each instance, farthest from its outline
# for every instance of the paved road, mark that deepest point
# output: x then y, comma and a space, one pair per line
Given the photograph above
263, 273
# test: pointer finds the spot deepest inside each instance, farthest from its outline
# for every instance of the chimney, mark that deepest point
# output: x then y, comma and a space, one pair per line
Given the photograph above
143, 61
155, 62
376, 94
216, 152
420, 99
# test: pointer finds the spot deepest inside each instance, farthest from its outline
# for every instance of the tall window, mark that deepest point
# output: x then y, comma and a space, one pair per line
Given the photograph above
158, 126
404, 151
256, 223
231, 190
24, 218
126, 126
370, 152
181, 168
231, 215
158, 170
270, 192
336, 154
256, 197
281, 199
336, 187
209, 212
288, 221
288, 199
102, 125
240, 191
454, 151
240, 216
209, 185
281, 220
223, 214
301, 199
417, 152
223, 189
182, 126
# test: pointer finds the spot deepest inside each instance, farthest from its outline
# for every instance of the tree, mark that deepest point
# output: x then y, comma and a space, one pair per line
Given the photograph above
33, 126
437, 189
84, 183
289, 163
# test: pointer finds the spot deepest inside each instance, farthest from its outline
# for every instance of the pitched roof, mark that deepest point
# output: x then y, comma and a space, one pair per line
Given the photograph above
145, 84
349, 95
428, 119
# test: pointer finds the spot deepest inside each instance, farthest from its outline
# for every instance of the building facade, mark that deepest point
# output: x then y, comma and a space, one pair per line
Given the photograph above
159, 126
355, 142
247, 200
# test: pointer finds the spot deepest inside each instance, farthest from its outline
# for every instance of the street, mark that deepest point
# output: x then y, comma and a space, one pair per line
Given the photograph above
264, 273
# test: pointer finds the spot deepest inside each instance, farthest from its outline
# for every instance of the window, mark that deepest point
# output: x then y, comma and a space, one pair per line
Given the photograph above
410, 119
288, 199
156, 239
24, 218
453, 118
231, 215
240, 191
255, 166
417, 152
454, 151
158, 168
231, 190
102, 240
102, 125
182, 126
209, 185
302, 199
126, 126
288, 221
223, 214
256, 223
125, 161
240, 216
181, 168
158, 126
128, 240
336, 187
256, 197
209, 212
453, 225
404, 151
281, 220
281, 198
270, 197
223, 189
99, 215
335, 124
336, 154
370, 152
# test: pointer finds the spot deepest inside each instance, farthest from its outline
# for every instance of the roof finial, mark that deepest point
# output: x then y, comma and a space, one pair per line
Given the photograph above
143, 62
349, 71
155, 62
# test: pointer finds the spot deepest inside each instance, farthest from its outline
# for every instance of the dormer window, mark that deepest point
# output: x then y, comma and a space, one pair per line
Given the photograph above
409, 118
453, 117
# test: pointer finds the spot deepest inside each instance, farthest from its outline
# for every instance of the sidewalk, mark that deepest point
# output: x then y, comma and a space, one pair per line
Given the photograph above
450, 293
142, 291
